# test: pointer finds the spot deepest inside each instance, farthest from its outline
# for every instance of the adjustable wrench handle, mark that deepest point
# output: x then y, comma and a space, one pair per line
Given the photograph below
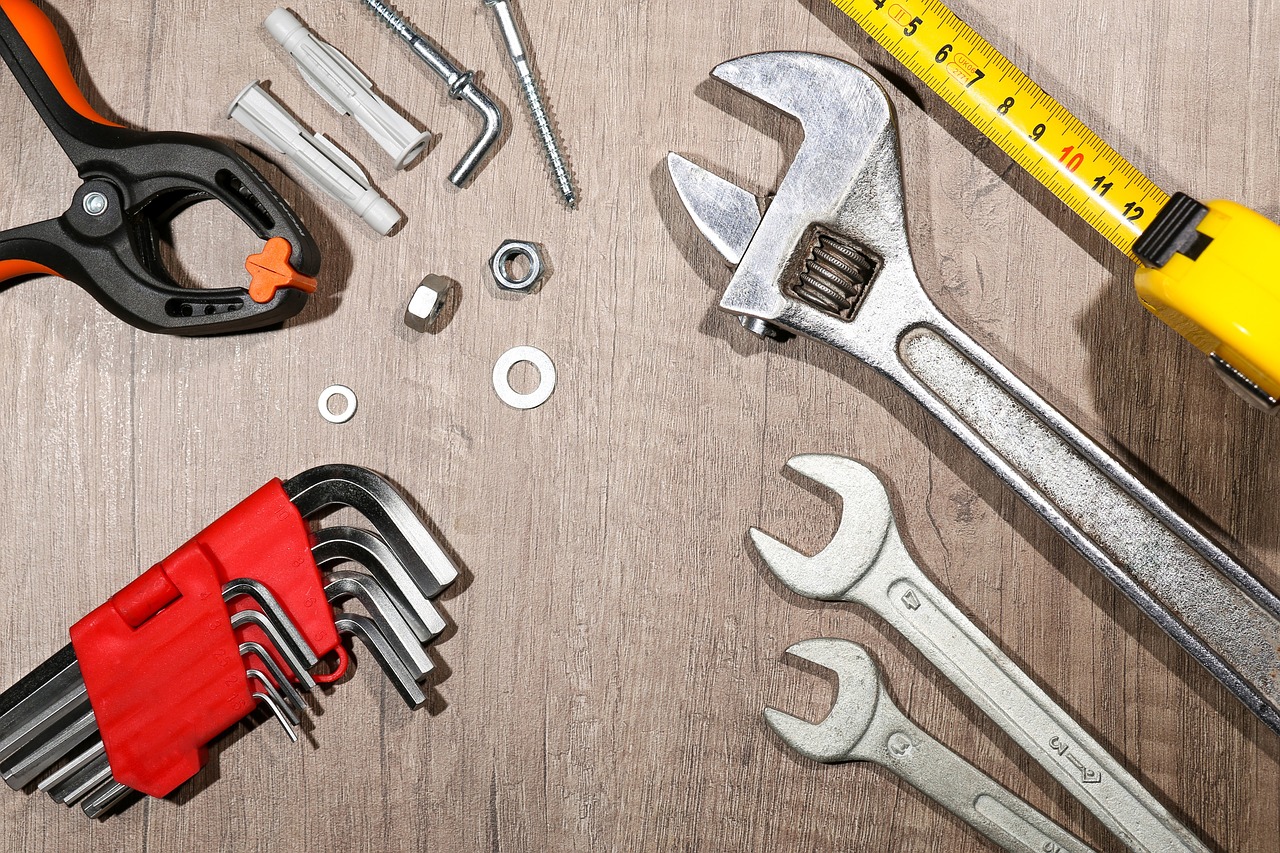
897, 590
1189, 586
971, 795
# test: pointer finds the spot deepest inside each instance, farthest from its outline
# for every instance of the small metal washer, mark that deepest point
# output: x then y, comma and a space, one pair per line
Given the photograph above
337, 391
546, 377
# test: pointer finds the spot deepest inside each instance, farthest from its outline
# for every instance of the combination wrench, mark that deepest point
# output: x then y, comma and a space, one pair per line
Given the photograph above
865, 725
830, 260
867, 563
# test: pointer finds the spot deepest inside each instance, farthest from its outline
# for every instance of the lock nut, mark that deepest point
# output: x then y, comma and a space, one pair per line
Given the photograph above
500, 265
428, 299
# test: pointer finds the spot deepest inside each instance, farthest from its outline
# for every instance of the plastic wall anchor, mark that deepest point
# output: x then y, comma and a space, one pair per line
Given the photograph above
317, 157
336, 79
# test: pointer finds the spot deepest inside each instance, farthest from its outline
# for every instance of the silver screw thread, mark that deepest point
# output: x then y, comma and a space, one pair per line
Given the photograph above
546, 133
391, 18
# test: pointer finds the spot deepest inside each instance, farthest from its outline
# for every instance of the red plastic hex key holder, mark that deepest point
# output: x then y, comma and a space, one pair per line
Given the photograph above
160, 660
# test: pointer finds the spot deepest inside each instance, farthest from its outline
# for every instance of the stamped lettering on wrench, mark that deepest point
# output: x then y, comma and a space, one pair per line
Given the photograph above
1088, 775
900, 746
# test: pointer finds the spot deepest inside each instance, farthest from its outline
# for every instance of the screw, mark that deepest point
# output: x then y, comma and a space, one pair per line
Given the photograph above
95, 204
461, 85
533, 97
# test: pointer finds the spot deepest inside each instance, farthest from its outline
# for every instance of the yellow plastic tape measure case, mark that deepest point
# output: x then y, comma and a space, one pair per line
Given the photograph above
1227, 301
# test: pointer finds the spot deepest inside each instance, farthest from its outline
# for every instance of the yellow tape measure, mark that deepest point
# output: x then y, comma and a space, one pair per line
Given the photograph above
991, 92
1210, 271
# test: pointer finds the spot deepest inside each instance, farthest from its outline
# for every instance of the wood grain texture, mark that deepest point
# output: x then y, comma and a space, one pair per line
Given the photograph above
616, 638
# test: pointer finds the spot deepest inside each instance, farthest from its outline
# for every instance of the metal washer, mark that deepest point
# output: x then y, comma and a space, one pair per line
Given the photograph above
546, 377
337, 391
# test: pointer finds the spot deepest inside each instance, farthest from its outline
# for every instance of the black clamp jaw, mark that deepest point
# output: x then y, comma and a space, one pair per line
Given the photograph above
135, 183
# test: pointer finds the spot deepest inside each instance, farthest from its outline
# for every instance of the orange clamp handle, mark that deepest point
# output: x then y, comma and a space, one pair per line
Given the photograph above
38, 32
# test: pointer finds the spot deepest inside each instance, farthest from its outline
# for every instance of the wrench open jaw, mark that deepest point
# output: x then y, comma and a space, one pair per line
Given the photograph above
836, 738
865, 725
829, 259
864, 526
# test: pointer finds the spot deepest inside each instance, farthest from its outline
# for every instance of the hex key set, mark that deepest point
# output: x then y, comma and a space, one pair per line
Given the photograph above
234, 620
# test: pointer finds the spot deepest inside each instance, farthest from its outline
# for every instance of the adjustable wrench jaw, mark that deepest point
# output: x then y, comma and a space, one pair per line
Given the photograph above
829, 259
834, 740
865, 524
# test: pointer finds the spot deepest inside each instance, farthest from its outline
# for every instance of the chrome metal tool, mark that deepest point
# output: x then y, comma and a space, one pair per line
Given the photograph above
75, 735
46, 719
866, 563
514, 41
830, 260
462, 87
865, 725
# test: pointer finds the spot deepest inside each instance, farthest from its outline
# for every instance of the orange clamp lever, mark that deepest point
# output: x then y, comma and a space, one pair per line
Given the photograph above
270, 270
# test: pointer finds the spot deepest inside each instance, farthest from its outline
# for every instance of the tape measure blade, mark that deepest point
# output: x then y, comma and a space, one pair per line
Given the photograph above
990, 92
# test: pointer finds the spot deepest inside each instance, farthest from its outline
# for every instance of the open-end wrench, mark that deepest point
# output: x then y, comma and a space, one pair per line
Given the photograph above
830, 260
866, 563
865, 725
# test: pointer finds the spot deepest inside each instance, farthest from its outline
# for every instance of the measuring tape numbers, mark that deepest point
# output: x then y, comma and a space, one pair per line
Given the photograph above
1210, 271
993, 95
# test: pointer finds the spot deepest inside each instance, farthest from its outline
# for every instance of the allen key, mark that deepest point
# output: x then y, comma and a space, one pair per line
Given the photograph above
72, 767
46, 753
340, 586
104, 799
277, 707
300, 664
284, 712
408, 586
390, 661
272, 610
366, 492
282, 681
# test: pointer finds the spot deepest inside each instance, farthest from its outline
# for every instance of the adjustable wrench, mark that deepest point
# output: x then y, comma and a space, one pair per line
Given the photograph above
866, 563
865, 725
830, 260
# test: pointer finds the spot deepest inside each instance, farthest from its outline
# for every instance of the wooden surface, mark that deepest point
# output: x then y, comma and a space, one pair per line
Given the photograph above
616, 638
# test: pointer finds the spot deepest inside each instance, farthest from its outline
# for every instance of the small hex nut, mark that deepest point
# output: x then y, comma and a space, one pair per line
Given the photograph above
427, 300
500, 265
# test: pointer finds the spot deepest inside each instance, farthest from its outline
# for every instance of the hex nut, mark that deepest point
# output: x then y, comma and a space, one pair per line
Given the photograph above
427, 300
500, 264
